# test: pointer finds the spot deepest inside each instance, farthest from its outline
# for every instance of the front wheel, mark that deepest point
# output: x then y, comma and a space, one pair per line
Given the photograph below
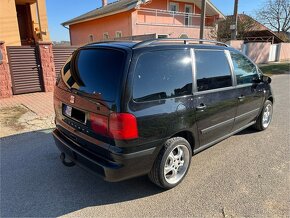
172, 163
265, 118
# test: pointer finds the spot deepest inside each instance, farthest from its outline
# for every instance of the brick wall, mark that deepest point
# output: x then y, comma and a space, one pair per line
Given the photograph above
47, 65
5, 79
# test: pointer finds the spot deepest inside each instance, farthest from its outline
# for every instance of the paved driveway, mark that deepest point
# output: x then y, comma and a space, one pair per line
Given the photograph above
245, 175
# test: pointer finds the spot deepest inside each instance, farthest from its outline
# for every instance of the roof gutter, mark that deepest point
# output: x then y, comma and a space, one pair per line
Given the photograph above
65, 26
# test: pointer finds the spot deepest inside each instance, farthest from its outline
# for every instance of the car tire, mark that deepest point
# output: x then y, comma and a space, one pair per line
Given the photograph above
264, 119
172, 163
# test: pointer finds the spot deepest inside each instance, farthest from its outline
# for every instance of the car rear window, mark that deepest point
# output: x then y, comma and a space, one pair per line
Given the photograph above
98, 72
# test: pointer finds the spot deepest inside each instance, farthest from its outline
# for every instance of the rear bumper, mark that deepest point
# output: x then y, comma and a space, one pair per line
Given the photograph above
123, 166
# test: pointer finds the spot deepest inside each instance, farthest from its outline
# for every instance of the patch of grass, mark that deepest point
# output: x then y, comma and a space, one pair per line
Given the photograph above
275, 68
9, 117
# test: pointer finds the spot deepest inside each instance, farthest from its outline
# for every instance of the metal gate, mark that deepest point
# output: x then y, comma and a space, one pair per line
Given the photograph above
25, 69
60, 55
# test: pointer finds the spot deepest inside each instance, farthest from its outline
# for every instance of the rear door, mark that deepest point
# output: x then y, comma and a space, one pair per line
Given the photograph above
250, 93
161, 92
215, 97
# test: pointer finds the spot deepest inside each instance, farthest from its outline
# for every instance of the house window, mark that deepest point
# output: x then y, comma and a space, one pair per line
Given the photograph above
91, 38
106, 36
188, 17
173, 6
118, 34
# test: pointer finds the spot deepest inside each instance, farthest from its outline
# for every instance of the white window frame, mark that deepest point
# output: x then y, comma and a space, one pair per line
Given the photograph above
106, 34
119, 32
175, 4
189, 16
187, 5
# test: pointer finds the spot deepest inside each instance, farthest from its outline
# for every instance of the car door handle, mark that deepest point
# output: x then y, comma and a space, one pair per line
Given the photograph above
201, 107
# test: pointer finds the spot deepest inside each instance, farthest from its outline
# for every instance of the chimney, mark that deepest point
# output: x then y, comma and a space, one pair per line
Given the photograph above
104, 3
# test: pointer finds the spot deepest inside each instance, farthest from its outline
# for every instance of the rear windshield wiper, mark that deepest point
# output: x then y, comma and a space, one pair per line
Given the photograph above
89, 96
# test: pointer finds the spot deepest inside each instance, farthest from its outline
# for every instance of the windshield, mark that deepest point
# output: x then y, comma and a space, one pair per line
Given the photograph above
97, 72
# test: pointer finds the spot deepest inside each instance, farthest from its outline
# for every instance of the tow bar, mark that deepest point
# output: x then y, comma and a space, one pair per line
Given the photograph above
64, 162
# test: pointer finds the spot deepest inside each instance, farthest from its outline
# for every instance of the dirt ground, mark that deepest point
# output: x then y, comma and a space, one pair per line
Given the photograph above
19, 119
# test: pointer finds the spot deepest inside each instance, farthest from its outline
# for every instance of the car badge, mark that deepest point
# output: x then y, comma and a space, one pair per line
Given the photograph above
72, 99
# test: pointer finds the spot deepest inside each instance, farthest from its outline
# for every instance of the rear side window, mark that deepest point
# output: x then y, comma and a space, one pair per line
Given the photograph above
97, 72
212, 70
162, 74
244, 69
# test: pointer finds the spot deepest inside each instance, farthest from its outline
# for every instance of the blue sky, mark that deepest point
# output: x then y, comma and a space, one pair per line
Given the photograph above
62, 10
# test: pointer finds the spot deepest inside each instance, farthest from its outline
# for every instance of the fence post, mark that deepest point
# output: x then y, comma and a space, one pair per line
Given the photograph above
47, 65
5, 78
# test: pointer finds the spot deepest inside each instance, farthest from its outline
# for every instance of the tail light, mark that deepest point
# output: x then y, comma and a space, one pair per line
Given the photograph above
120, 126
99, 124
123, 126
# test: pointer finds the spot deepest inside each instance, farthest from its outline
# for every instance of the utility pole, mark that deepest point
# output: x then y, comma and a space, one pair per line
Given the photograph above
202, 20
234, 26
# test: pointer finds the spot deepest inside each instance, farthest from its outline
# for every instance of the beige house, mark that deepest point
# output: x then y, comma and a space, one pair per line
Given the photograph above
23, 22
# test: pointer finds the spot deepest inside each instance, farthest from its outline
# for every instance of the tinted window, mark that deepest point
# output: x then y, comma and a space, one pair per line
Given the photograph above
212, 70
162, 74
98, 72
244, 69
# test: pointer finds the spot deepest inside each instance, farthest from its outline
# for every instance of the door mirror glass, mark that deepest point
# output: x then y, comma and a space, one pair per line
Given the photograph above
266, 79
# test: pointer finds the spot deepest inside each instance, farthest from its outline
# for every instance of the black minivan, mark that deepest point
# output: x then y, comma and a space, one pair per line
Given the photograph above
126, 109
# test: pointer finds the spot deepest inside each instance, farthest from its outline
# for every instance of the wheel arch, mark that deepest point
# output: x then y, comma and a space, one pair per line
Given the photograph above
270, 98
188, 136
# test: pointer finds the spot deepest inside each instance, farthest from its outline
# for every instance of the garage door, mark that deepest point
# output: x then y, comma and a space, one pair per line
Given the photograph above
60, 55
25, 69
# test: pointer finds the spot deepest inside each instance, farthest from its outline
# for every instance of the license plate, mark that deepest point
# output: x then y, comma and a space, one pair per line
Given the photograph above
67, 110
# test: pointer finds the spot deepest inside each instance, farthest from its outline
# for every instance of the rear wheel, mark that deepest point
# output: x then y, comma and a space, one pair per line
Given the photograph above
172, 163
265, 117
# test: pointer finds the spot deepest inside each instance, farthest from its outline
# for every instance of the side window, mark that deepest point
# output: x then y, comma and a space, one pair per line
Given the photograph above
118, 34
212, 70
173, 6
105, 35
162, 74
244, 69
91, 38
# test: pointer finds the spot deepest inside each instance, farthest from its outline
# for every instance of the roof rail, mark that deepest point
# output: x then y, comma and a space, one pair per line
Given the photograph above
109, 41
185, 41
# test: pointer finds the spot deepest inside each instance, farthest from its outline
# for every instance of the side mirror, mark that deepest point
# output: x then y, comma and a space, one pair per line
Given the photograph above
266, 79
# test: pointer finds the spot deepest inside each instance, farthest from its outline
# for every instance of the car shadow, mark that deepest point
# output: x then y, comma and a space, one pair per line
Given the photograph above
34, 183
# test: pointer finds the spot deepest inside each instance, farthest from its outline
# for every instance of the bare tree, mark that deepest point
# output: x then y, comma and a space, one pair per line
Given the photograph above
244, 24
275, 14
